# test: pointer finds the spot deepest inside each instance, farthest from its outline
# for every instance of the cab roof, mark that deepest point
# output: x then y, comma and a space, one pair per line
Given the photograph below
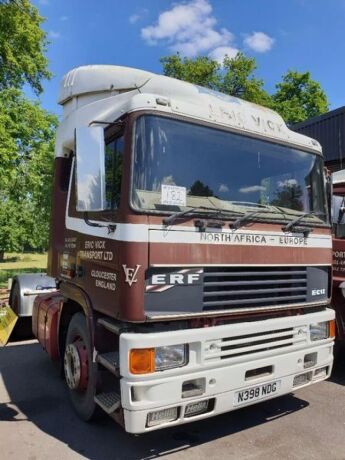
128, 89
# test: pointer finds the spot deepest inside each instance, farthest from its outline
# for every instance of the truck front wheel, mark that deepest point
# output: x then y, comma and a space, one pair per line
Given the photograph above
80, 372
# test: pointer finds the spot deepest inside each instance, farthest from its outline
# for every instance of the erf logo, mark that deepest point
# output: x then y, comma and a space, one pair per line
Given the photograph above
173, 279
318, 292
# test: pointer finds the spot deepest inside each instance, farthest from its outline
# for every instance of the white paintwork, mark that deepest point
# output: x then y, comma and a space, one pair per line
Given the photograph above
104, 93
163, 389
100, 78
143, 233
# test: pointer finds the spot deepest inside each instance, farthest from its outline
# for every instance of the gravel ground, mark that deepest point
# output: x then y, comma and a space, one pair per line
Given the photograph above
37, 422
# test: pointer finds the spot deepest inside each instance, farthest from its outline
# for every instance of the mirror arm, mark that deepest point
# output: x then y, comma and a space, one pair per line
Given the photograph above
111, 227
109, 123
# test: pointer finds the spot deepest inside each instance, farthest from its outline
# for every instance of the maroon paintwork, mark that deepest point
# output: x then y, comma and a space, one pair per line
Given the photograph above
45, 319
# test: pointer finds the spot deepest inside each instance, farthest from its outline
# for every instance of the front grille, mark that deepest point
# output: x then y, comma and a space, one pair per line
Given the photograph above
236, 287
233, 347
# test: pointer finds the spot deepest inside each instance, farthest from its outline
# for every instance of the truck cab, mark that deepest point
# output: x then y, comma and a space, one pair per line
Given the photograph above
191, 244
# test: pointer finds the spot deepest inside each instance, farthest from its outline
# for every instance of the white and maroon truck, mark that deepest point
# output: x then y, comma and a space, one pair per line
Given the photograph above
191, 246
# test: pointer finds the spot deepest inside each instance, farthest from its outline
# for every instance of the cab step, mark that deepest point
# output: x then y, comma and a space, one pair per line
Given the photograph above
110, 361
110, 325
109, 402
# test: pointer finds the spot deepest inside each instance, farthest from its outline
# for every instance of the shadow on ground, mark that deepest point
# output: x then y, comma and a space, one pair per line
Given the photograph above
338, 373
22, 330
36, 393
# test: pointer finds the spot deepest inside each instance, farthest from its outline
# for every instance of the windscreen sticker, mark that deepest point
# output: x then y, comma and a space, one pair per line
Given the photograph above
173, 195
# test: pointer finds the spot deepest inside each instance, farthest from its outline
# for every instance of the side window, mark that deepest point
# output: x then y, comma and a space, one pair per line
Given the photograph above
338, 215
113, 172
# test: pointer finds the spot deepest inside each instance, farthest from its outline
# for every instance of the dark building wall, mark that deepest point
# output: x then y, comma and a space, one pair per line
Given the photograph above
329, 130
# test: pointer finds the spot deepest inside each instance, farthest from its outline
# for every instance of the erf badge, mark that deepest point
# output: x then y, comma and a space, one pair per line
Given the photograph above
131, 274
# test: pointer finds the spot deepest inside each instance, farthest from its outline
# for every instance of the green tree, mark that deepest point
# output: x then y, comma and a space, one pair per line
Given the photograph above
238, 80
11, 231
27, 135
235, 77
22, 46
26, 131
201, 70
298, 97
200, 189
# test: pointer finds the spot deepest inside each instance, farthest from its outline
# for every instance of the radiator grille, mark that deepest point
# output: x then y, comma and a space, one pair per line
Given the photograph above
236, 287
233, 347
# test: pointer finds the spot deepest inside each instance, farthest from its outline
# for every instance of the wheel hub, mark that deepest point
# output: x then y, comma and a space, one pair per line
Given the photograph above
76, 366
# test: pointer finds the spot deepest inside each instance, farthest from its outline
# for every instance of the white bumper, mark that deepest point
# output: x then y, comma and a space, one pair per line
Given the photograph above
226, 357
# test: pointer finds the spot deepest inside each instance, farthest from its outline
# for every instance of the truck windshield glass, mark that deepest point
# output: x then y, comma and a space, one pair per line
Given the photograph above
178, 164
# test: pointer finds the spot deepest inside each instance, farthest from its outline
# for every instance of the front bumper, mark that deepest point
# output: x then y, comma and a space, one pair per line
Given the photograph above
223, 374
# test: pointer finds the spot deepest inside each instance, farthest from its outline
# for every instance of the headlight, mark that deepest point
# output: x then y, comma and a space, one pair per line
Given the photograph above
319, 331
169, 357
148, 360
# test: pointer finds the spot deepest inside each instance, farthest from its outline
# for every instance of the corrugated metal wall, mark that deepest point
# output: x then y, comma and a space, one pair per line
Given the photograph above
329, 130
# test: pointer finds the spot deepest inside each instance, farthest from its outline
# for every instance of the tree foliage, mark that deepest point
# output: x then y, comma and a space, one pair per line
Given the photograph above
298, 97
238, 80
201, 70
26, 130
26, 166
22, 46
200, 189
235, 77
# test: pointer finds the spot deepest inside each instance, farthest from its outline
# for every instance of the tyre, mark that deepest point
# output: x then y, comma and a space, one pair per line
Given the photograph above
15, 298
80, 372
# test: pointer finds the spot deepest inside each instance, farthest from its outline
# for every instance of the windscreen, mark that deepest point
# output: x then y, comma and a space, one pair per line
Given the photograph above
179, 164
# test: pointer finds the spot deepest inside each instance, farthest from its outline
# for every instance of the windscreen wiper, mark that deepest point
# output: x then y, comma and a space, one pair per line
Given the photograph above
214, 211
238, 222
291, 224
265, 209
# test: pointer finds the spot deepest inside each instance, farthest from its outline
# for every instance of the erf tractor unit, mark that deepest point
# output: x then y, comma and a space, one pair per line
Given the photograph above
191, 243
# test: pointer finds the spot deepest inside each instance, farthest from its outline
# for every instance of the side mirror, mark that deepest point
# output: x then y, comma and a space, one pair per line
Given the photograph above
90, 169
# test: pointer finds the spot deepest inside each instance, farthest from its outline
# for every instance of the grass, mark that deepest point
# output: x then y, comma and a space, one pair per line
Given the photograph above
15, 263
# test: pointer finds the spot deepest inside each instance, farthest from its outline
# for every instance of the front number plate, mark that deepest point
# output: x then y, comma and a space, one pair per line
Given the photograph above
255, 393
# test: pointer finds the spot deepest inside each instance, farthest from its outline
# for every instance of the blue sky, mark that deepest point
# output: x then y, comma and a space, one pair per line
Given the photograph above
294, 34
